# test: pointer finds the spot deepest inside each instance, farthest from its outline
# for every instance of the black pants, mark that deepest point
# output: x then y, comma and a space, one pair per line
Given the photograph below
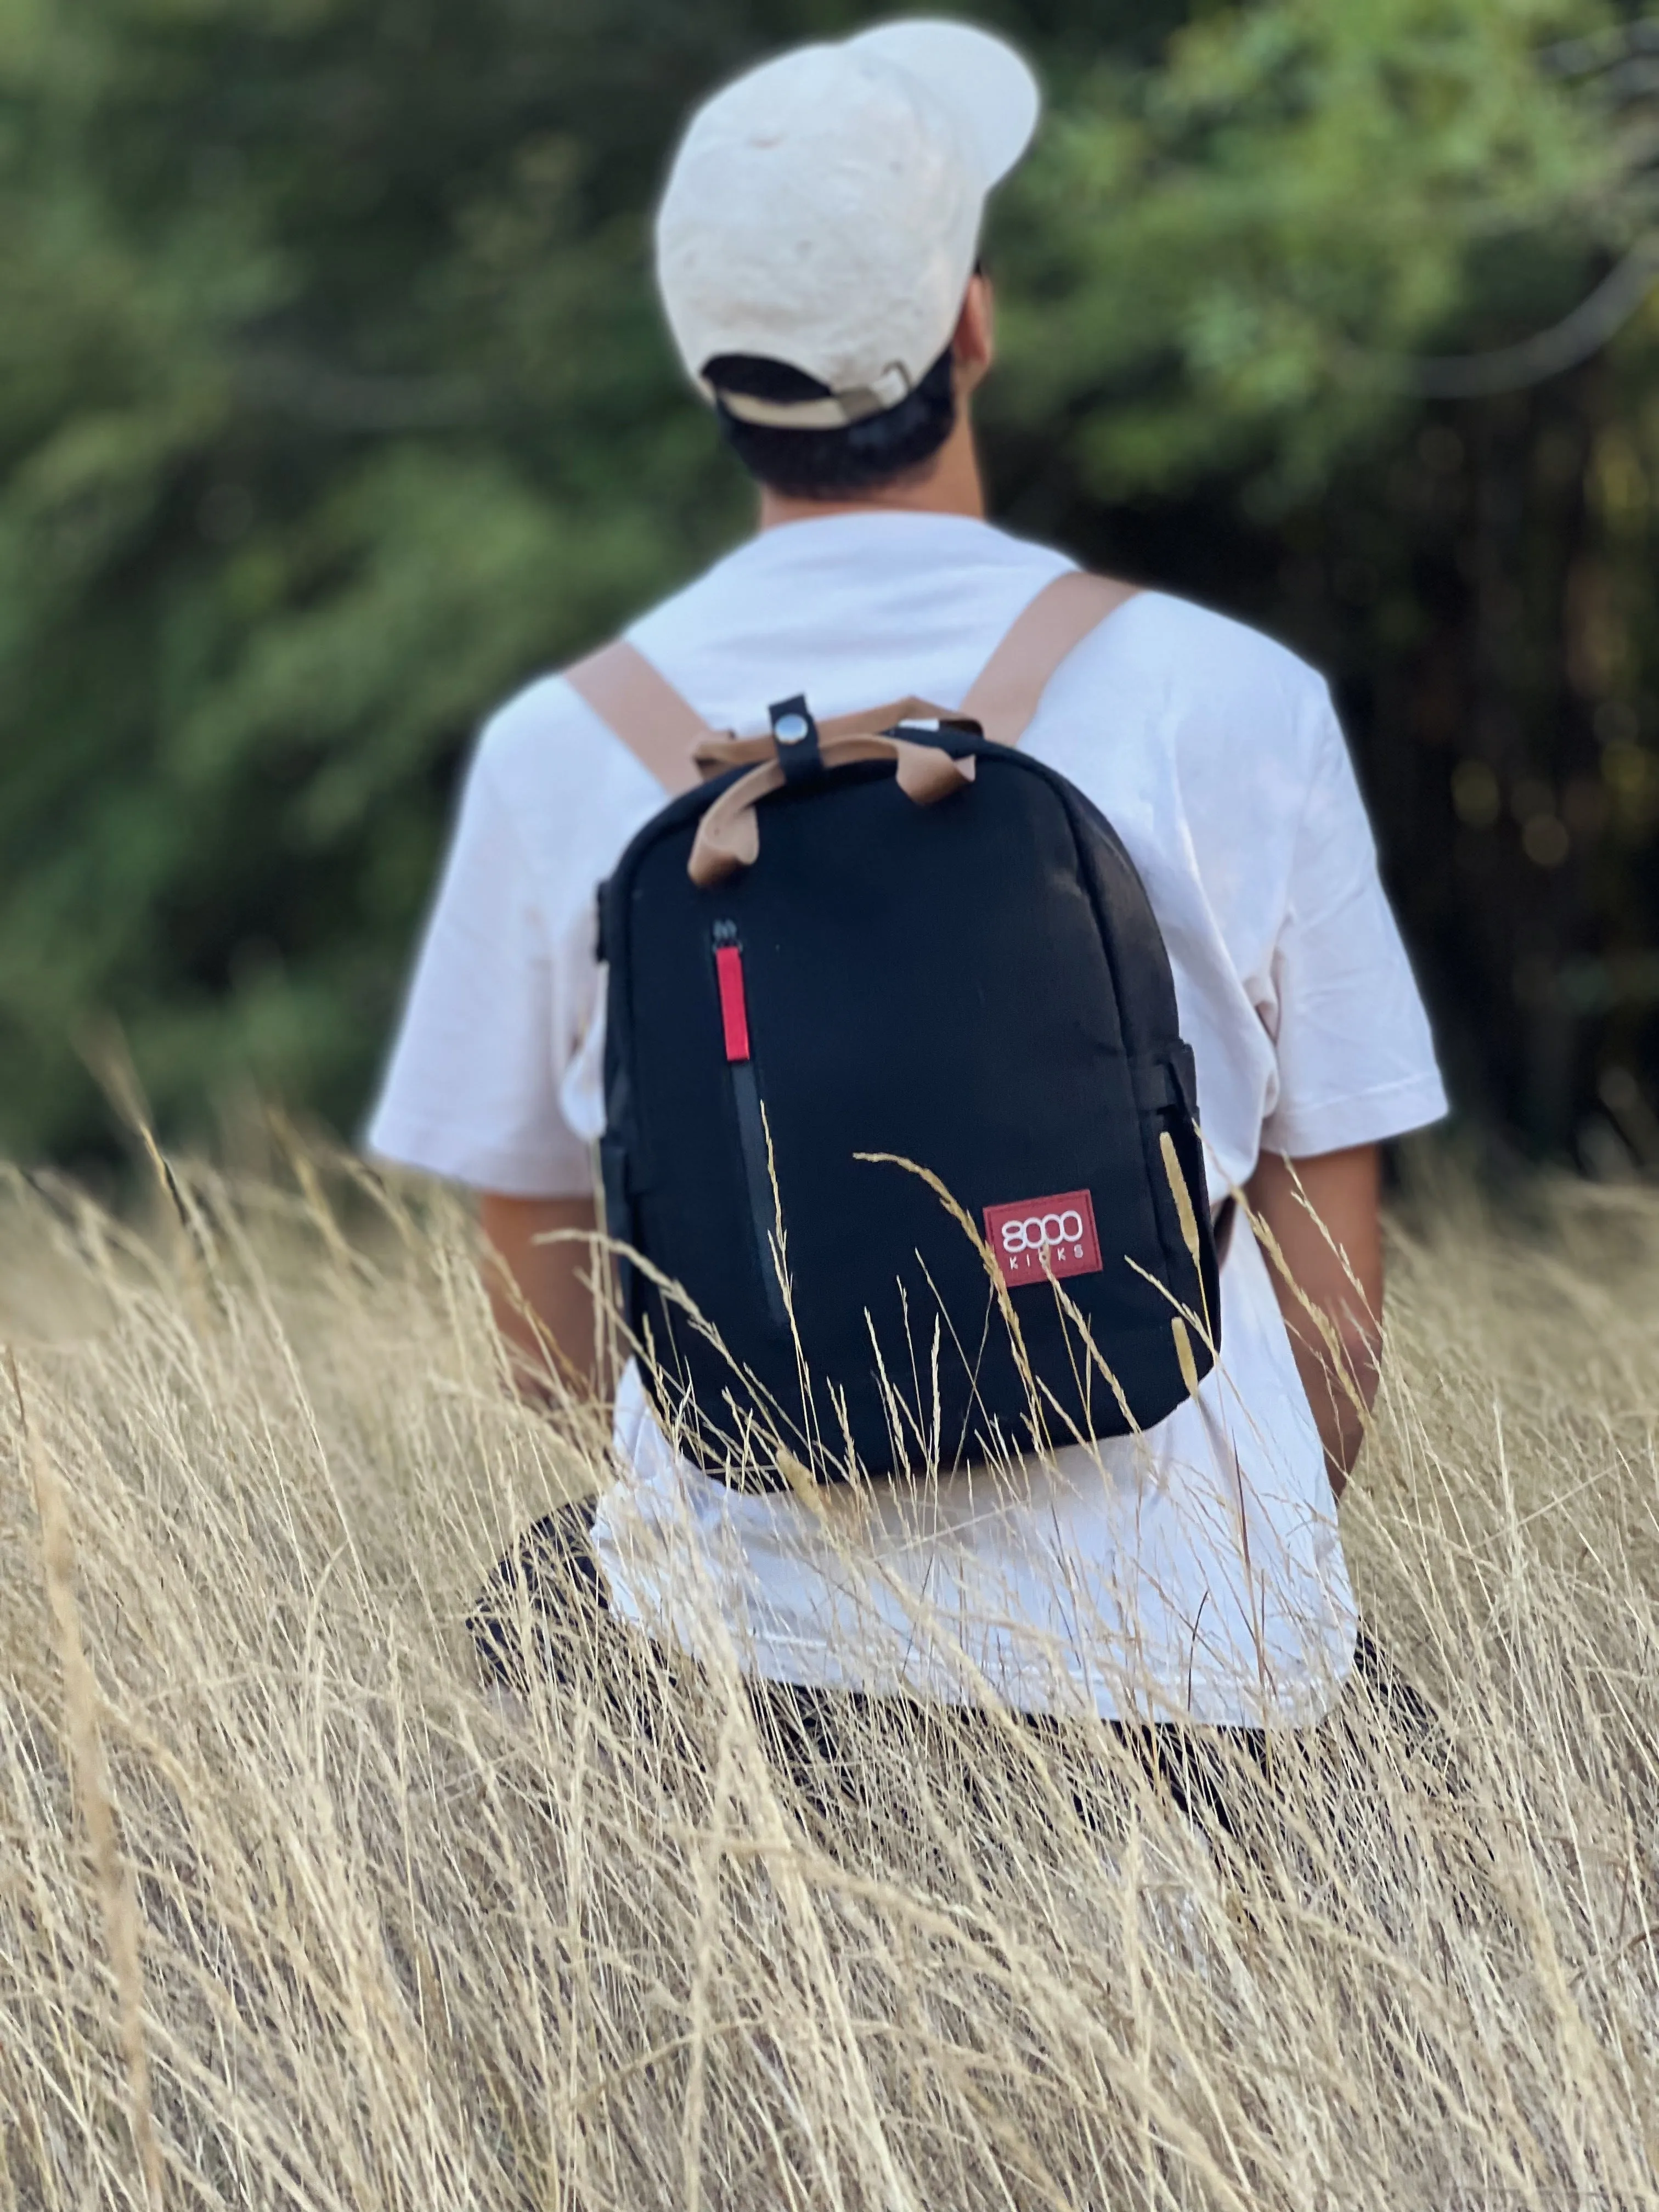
552, 1578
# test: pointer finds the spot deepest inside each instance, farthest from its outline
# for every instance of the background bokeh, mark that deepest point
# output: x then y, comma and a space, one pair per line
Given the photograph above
334, 403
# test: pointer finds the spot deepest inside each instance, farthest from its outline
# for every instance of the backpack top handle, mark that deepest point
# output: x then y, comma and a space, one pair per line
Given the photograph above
715, 755
728, 834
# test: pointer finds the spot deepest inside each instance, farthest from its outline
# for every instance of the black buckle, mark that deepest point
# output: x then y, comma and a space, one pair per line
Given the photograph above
795, 734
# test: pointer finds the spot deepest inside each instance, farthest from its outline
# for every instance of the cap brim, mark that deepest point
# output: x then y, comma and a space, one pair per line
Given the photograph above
987, 89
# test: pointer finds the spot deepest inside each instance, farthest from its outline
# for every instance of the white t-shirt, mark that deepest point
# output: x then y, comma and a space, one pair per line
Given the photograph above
1195, 1571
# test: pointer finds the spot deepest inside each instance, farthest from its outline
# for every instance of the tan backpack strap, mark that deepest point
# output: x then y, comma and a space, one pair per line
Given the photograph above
658, 727
1007, 690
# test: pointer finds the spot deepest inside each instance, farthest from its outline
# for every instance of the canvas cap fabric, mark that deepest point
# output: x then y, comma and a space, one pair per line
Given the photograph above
823, 211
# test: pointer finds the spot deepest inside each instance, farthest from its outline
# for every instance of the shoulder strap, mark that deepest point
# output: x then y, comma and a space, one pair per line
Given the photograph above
1006, 692
665, 733
659, 728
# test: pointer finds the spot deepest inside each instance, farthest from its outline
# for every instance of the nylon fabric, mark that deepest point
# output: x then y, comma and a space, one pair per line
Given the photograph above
940, 1021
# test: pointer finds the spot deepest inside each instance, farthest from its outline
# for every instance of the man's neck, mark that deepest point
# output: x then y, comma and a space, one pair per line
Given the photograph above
951, 483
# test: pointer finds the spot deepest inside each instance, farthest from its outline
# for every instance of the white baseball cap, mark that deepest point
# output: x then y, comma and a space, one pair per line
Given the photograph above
824, 211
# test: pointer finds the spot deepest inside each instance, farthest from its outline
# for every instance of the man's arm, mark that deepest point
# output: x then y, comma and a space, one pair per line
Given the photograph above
1342, 1190
540, 1292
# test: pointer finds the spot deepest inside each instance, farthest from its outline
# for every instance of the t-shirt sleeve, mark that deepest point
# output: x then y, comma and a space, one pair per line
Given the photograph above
472, 1091
1356, 1059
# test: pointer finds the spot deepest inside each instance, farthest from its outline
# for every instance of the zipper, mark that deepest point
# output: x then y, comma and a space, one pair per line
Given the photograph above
745, 1095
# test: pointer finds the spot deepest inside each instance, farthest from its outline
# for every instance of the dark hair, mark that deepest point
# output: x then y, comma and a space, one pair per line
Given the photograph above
820, 464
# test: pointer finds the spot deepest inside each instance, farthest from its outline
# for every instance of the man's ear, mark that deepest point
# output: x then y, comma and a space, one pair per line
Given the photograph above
974, 347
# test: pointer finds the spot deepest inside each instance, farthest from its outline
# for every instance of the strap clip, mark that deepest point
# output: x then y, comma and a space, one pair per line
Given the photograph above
795, 734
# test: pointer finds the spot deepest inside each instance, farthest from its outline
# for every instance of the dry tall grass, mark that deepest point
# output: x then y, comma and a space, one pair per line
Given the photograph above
326, 1929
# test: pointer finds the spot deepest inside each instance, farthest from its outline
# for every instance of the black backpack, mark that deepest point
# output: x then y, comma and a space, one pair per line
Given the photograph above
901, 1156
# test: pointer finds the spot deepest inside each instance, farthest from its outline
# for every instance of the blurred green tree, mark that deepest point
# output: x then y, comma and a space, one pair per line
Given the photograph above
1240, 268
333, 402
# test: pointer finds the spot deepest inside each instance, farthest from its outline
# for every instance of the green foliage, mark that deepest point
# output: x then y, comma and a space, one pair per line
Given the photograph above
333, 403
1223, 256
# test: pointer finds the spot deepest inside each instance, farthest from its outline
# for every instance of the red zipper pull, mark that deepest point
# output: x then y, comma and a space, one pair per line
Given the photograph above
728, 975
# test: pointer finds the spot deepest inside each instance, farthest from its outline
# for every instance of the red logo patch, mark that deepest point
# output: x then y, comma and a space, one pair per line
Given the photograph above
1044, 1237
